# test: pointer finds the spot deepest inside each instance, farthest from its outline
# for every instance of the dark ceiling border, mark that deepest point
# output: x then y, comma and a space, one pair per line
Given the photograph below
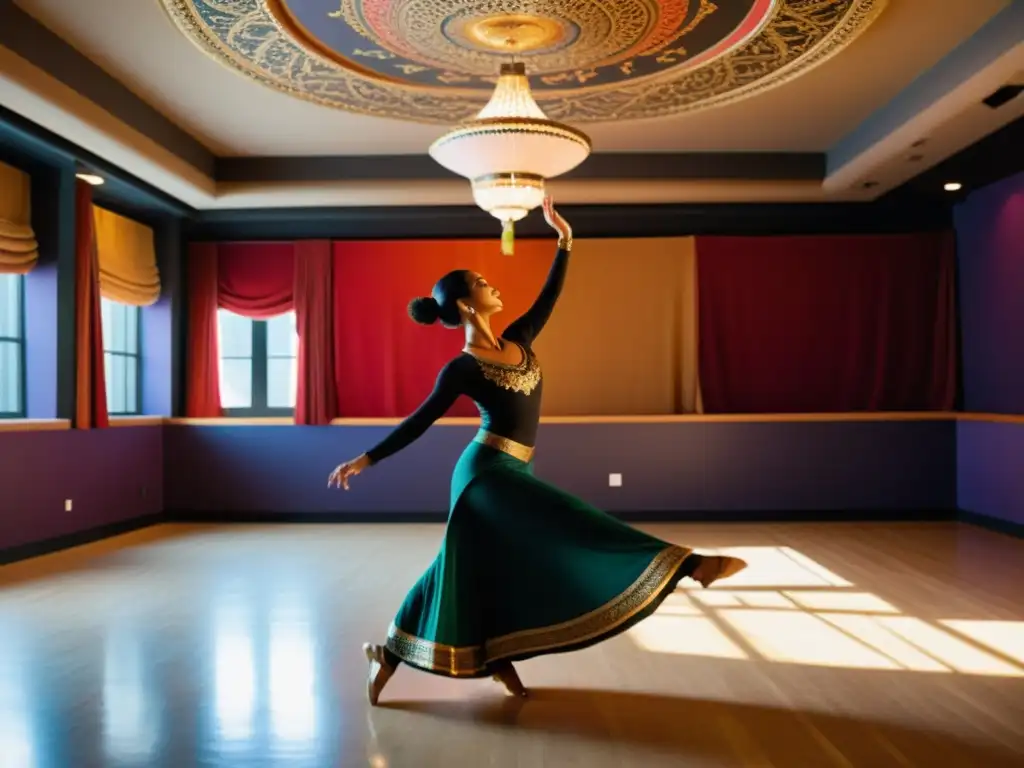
22, 34
428, 222
28, 145
640, 166
997, 156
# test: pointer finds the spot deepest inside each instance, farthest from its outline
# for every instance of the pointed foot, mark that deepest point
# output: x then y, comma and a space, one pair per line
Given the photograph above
507, 676
379, 673
716, 567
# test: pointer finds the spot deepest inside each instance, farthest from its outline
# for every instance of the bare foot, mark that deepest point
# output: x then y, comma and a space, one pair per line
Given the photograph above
715, 567
506, 675
379, 674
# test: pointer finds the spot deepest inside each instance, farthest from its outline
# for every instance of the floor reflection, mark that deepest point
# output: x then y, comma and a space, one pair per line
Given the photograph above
240, 648
293, 674
234, 670
17, 740
130, 708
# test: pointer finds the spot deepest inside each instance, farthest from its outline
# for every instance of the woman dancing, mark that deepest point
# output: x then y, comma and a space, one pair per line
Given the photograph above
525, 569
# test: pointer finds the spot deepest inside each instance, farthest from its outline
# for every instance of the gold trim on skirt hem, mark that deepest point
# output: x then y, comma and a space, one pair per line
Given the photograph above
517, 450
467, 661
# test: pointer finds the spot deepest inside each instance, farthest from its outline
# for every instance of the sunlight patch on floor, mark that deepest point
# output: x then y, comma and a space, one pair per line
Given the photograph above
786, 608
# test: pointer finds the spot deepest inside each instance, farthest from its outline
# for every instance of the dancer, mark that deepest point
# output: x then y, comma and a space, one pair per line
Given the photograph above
525, 569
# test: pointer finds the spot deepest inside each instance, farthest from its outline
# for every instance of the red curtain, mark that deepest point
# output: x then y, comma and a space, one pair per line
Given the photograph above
202, 396
385, 364
826, 324
316, 401
91, 390
256, 279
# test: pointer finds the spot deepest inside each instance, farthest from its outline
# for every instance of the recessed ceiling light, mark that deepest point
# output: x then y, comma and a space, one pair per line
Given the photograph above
952, 186
90, 178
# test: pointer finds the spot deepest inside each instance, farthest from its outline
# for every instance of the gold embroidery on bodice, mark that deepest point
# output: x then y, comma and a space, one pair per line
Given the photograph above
523, 377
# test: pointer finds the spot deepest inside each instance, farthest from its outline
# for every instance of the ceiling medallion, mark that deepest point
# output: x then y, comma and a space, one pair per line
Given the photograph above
435, 61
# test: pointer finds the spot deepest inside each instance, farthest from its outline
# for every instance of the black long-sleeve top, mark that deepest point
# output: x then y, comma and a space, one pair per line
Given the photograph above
507, 396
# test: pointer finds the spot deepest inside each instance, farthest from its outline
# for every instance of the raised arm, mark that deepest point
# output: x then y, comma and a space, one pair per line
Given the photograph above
528, 327
446, 389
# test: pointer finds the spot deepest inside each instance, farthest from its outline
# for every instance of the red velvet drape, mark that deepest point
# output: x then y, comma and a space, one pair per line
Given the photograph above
385, 364
826, 324
202, 392
256, 279
316, 400
91, 390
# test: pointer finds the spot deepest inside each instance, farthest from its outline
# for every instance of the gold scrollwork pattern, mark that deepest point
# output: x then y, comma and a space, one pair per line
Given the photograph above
522, 378
606, 30
246, 36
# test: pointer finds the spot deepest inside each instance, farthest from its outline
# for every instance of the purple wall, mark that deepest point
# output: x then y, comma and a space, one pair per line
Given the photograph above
990, 245
990, 250
111, 475
990, 469
768, 467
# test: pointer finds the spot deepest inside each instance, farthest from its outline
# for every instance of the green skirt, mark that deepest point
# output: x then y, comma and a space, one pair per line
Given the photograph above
525, 570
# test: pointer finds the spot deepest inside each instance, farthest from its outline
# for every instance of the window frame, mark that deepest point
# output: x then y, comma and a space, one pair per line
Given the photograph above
259, 360
22, 357
137, 355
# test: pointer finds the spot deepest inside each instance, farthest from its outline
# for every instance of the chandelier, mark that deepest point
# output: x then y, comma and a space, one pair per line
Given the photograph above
508, 151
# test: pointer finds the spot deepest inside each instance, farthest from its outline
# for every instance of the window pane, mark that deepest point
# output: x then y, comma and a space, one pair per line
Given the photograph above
235, 334
282, 340
131, 330
116, 318
236, 383
116, 384
10, 377
10, 306
281, 382
131, 395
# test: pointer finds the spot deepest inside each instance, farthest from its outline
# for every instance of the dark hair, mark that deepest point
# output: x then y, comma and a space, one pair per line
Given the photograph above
442, 304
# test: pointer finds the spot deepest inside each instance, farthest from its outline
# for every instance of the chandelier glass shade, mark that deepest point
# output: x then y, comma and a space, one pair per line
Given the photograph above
509, 149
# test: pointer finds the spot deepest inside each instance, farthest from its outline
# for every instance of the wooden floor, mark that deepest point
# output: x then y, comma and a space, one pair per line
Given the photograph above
842, 645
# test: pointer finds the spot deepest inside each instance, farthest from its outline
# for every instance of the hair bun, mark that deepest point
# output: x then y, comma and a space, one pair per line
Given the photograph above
424, 310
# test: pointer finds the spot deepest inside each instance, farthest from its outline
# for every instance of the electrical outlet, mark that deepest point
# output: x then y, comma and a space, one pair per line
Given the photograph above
67, 505
615, 480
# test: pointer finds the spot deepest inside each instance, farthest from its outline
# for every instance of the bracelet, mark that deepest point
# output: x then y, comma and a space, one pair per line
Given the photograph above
565, 243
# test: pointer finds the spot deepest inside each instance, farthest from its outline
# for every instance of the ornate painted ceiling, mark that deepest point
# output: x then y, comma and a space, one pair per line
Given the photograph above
435, 61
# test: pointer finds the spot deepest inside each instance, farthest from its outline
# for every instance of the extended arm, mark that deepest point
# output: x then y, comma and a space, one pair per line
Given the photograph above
526, 328
446, 389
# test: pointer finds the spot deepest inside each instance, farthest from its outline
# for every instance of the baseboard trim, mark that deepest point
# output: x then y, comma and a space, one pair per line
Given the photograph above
689, 516
991, 523
77, 539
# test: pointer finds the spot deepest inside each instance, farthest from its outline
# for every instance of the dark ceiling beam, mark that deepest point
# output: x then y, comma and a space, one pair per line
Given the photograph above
411, 222
23, 142
640, 166
33, 42
997, 156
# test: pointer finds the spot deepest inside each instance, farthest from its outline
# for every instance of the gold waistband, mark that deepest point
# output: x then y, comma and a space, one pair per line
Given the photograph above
503, 444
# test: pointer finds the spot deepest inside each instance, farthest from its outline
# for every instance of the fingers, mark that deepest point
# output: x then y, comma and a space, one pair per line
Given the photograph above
338, 478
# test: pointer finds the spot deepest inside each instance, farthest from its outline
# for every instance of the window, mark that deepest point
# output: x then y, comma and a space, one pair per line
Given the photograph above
121, 357
12, 346
258, 364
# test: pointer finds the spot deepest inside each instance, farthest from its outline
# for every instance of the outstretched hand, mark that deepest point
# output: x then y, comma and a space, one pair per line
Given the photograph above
555, 220
339, 477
